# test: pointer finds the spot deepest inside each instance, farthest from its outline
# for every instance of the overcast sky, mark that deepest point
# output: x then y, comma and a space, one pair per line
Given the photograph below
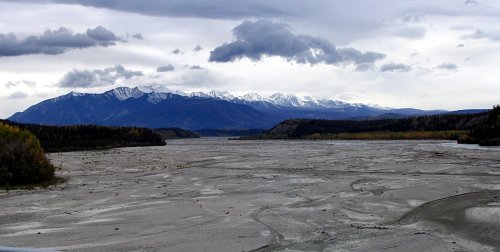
422, 54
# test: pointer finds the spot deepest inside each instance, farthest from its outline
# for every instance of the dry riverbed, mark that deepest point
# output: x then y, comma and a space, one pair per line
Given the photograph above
219, 195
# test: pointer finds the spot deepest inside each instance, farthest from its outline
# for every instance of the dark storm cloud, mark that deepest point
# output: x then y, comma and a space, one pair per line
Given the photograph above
95, 78
395, 67
267, 38
188, 8
165, 68
54, 42
102, 34
448, 66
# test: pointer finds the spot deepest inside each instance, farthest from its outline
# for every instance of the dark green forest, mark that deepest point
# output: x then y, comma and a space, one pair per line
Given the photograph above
175, 133
229, 132
482, 128
488, 133
299, 128
90, 137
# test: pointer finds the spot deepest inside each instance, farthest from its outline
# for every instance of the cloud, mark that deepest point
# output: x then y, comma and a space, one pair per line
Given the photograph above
267, 38
395, 67
54, 42
26, 83
197, 48
219, 9
96, 78
18, 95
138, 36
102, 34
165, 68
413, 18
472, 2
364, 67
448, 66
460, 45
195, 67
177, 51
479, 34
412, 32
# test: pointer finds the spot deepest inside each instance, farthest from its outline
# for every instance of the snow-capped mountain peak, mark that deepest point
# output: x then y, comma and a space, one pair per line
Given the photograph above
286, 100
157, 93
221, 95
213, 94
75, 94
252, 97
123, 93
154, 89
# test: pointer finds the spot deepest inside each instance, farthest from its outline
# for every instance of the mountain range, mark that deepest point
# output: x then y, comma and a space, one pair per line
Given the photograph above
158, 107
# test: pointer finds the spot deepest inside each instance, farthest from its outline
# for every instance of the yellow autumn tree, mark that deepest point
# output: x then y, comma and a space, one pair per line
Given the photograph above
22, 160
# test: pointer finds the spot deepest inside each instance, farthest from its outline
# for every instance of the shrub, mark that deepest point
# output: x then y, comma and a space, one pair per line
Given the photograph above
22, 160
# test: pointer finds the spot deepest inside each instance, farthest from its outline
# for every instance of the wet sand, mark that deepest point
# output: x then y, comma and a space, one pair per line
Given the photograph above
219, 195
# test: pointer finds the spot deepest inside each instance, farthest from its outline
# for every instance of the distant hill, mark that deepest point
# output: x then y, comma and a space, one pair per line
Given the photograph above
161, 108
303, 128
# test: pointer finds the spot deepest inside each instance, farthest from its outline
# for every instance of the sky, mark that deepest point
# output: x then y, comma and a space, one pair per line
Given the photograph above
422, 54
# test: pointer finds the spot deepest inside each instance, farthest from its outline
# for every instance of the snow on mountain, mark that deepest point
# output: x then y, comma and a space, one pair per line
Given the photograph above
252, 97
124, 93
288, 100
378, 106
70, 94
214, 94
157, 93
159, 89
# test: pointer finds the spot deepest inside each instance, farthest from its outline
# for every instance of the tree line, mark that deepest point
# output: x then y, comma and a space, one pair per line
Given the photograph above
488, 133
481, 128
90, 137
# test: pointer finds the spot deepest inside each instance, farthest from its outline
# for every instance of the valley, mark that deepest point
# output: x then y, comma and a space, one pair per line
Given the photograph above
218, 195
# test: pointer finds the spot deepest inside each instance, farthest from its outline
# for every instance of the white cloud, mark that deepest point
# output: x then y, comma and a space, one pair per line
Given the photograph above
96, 78
17, 95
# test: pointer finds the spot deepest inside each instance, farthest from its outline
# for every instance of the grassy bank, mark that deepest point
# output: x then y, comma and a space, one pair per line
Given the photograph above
406, 135
376, 135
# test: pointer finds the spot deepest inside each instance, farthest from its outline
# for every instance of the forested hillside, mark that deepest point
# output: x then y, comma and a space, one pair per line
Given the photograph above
487, 133
175, 133
90, 137
444, 126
